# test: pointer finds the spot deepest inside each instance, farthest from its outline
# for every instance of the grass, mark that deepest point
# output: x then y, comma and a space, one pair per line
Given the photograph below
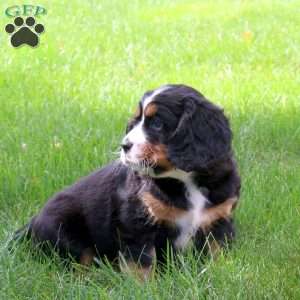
64, 106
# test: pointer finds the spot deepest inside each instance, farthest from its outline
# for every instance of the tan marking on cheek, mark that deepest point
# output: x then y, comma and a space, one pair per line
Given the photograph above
161, 211
158, 155
215, 213
150, 110
87, 257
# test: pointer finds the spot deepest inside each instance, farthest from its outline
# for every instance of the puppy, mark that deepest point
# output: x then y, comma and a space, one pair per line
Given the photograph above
176, 182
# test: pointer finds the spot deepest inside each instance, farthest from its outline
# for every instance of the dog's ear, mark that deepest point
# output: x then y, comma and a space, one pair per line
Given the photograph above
202, 136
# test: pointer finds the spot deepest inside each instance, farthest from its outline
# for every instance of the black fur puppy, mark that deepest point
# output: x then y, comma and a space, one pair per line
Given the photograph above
176, 182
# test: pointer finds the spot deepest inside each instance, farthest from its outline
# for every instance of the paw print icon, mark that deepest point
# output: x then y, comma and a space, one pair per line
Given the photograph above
24, 32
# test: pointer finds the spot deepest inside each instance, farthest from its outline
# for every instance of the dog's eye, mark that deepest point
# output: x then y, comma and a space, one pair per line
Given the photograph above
156, 124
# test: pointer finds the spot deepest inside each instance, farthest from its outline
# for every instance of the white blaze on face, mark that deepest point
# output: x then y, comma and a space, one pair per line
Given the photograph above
137, 136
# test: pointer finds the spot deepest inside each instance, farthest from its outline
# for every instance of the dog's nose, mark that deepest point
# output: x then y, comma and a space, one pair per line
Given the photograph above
126, 146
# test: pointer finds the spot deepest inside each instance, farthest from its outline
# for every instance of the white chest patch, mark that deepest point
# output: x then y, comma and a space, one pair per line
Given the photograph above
190, 222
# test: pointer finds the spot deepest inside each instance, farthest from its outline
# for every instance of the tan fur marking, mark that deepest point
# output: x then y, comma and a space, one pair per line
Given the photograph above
221, 211
152, 252
157, 154
160, 156
214, 248
87, 257
161, 211
134, 269
150, 110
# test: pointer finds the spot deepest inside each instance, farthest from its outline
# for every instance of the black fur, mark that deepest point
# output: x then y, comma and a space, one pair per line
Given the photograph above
201, 136
103, 211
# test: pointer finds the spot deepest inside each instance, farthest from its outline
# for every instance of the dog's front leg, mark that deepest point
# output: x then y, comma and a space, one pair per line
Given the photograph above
137, 260
217, 229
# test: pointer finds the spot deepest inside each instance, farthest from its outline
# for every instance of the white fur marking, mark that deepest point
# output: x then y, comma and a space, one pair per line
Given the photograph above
136, 135
152, 96
192, 220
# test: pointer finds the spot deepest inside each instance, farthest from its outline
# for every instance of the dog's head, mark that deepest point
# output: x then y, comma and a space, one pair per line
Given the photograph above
175, 127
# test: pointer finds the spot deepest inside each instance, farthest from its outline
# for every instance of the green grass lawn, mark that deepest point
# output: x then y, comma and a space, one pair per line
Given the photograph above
64, 106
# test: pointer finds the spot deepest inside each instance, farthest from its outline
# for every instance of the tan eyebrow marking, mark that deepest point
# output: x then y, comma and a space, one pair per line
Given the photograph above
150, 110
